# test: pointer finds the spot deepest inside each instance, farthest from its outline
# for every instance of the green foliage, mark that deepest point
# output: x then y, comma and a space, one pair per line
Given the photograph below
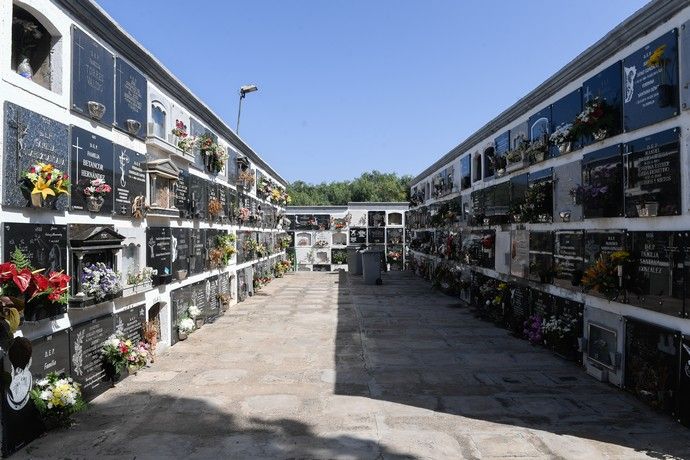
19, 259
370, 186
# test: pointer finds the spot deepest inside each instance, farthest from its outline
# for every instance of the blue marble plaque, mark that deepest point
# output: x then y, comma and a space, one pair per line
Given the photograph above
91, 159
606, 85
31, 138
130, 99
129, 170
502, 144
563, 112
92, 78
650, 75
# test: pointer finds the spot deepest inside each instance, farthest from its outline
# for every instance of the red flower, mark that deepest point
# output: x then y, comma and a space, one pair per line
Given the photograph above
7, 271
22, 279
39, 285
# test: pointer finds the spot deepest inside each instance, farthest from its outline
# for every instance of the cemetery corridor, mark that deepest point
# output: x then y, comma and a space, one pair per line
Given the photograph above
318, 365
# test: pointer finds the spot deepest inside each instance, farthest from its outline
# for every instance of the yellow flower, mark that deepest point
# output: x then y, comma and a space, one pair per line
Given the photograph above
46, 168
43, 188
61, 188
656, 59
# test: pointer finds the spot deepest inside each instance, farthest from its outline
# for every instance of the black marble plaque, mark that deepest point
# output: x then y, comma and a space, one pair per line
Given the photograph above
518, 187
519, 253
684, 386
498, 201
394, 235
541, 256
50, 354
129, 181
377, 235
377, 218
182, 198
601, 192
519, 134
212, 291
131, 323
569, 246
519, 307
465, 172
650, 77
651, 363
92, 76
224, 284
653, 279
86, 361
31, 138
197, 251
180, 248
130, 99
600, 242
358, 235
45, 245
223, 198
198, 195
91, 158
540, 125
196, 129
501, 144
606, 85
179, 301
542, 303
158, 250
323, 221
563, 112
200, 297
652, 165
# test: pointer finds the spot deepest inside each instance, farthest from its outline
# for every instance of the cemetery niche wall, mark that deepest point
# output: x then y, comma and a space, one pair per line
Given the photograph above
106, 194
574, 217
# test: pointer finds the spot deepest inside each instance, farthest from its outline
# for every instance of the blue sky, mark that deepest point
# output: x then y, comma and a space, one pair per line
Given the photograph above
350, 86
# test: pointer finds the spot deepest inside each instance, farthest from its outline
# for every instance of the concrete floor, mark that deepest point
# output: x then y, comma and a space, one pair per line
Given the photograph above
319, 366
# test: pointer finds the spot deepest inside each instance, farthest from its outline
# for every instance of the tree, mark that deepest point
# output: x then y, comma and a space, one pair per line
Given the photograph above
370, 186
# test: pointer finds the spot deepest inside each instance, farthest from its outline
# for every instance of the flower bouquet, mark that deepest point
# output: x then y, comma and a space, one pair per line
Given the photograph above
194, 313
533, 329
246, 179
100, 282
597, 119
44, 184
185, 327
562, 138
604, 276
95, 194
57, 398
115, 353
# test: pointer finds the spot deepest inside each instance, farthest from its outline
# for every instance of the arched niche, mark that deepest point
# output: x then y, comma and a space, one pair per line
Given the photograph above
303, 239
36, 47
395, 218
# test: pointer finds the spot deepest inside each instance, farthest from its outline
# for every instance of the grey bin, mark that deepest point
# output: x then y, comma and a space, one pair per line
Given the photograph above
371, 266
354, 261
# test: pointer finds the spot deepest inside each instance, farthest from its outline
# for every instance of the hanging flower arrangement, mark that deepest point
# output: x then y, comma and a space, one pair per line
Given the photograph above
185, 142
214, 155
562, 137
43, 181
597, 119
604, 276
243, 214
246, 178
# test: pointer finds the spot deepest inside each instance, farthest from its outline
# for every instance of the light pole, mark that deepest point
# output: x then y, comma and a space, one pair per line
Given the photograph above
243, 91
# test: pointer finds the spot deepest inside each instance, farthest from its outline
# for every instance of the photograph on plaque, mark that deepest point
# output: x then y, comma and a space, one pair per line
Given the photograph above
93, 72
86, 359
130, 99
601, 190
652, 165
568, 258
519, 253
653, 278
31, 138
541, 256
129, 182
91, 170
44, 245
651, 363
650, 77
606, 86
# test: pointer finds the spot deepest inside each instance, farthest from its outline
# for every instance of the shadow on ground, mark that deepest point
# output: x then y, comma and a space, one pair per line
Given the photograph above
165, 426
404, 343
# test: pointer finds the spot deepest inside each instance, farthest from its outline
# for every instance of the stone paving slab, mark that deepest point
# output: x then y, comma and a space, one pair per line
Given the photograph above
320, 366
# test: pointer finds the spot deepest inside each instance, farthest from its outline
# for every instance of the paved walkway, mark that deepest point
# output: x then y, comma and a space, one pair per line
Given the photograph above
319, 366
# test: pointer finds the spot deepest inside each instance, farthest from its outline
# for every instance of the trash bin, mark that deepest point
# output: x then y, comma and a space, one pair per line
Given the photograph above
371, 266
354, 261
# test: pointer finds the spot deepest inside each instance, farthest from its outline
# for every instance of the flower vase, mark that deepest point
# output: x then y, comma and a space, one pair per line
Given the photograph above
600, 135
565, 147
94, 203
24, 68
666, 95
181, 335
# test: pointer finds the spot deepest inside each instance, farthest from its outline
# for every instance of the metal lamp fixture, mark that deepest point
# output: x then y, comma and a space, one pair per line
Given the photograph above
243, 92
